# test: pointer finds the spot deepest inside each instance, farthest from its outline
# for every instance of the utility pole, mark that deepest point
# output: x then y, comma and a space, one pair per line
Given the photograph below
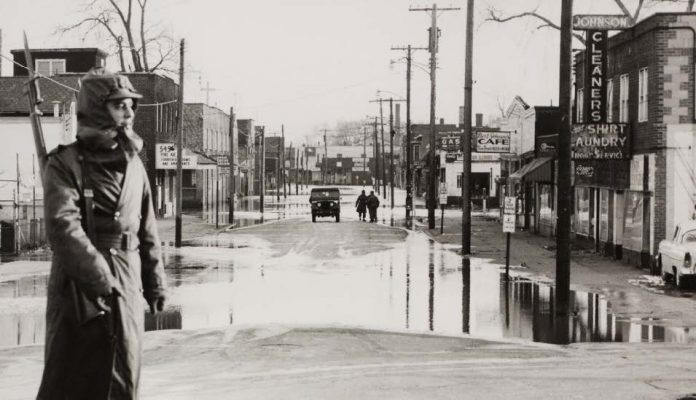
325, 164
282, 131
375, 152
179, 147
233, 181
380, 156
434, 33
564, 171
467, 133
33, 194
391, 151
263, 168
18, 242
409, 153
364, 148
381, 127
207, 89
297, 171
279, 147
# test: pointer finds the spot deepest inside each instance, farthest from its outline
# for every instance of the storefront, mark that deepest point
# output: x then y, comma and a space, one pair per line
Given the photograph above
196, 168
533, 185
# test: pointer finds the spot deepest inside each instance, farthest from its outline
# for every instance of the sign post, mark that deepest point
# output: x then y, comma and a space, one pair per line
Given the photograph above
509, 217
443, 203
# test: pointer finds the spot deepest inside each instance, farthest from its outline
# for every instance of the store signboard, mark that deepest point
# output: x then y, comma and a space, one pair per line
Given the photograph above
492, 142
600, 142
165, 157
443, 194
601, 22
595, 71
509, 214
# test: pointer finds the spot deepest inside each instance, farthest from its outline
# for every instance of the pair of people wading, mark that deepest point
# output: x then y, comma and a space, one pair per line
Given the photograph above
361, 206
100, 222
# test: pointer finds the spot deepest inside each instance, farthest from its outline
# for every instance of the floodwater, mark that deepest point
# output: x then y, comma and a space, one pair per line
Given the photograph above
415, 285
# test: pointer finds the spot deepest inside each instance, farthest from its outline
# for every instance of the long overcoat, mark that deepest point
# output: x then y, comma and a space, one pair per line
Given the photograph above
99, 359
361, 203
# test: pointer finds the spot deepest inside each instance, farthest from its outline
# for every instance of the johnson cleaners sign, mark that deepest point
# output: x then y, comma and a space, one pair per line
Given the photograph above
600, 142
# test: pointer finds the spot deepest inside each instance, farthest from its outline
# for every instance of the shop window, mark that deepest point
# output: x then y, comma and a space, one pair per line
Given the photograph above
623, 98
643, 95
633, 221
582, 211
546, 204
610, 100
579, 105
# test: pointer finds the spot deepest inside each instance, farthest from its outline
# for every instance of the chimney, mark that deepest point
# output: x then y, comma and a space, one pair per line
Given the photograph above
442, 121
479, 120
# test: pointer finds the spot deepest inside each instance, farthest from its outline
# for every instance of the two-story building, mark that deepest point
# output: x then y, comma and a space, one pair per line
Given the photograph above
207, 132
626, 207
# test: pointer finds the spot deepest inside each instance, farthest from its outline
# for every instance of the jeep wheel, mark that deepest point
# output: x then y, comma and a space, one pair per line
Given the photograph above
338, 217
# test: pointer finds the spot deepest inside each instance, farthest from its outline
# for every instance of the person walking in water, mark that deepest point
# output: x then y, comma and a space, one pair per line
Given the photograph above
361, 206
100, 222
372, 204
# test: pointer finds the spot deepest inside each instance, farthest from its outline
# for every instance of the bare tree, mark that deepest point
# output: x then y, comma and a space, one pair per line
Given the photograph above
126, 28
496, 15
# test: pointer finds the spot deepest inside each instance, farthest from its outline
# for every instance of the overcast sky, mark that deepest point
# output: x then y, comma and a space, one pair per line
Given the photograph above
310, 63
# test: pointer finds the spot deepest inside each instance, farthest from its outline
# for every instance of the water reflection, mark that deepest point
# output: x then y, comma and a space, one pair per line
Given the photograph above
417, 285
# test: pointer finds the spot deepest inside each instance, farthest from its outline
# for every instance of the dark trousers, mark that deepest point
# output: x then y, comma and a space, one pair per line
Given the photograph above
361, 215
373, 214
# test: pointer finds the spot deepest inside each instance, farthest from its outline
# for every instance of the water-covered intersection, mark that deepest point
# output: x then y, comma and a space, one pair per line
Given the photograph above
283, 307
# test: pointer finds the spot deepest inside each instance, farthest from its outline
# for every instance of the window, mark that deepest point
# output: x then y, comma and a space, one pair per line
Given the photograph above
50, 67
643, 95
610, 100
459, 181
579, 104
623, 98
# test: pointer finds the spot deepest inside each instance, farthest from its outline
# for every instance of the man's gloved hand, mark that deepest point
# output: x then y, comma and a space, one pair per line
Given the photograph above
105, 303
156, 303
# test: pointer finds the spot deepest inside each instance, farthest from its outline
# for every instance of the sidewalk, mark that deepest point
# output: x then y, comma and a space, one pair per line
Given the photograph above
192, 226
631, 291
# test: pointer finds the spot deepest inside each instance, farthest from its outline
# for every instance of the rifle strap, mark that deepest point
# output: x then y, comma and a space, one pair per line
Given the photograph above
88, 198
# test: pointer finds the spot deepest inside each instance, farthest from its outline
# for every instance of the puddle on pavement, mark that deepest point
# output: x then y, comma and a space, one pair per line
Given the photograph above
417, 285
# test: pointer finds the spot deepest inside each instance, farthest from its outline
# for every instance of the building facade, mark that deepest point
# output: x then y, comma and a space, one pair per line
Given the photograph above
625, 207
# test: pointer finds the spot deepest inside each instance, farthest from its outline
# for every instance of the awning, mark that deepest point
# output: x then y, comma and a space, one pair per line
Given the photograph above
538, 170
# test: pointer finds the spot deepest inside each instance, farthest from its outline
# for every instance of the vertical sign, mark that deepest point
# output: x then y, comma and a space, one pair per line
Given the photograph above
509, 214
595, 71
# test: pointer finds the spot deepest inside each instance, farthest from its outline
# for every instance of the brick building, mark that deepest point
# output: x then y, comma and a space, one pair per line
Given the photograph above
155, 121
207, 132
625, 207
246, 154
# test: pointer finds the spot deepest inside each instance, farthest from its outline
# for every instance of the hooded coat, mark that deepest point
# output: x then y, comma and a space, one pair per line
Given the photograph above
99, 359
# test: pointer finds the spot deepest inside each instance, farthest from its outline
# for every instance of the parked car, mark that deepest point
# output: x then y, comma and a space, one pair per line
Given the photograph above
326, 202
676, 256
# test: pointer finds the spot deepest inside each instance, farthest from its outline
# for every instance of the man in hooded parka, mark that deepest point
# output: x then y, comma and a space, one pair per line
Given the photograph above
99, 358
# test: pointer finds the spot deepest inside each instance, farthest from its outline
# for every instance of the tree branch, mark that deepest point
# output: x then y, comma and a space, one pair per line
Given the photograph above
494, 15
143, 4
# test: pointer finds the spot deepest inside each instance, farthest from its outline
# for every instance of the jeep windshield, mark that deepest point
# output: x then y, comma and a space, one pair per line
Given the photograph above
325, 194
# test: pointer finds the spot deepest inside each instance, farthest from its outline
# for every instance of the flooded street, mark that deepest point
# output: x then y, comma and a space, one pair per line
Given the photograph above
350, 274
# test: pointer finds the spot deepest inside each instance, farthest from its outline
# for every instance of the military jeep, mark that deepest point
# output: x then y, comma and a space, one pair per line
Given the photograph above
326, 202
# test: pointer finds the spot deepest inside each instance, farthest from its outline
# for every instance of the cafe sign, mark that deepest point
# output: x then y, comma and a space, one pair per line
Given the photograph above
600, 142
492, 142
